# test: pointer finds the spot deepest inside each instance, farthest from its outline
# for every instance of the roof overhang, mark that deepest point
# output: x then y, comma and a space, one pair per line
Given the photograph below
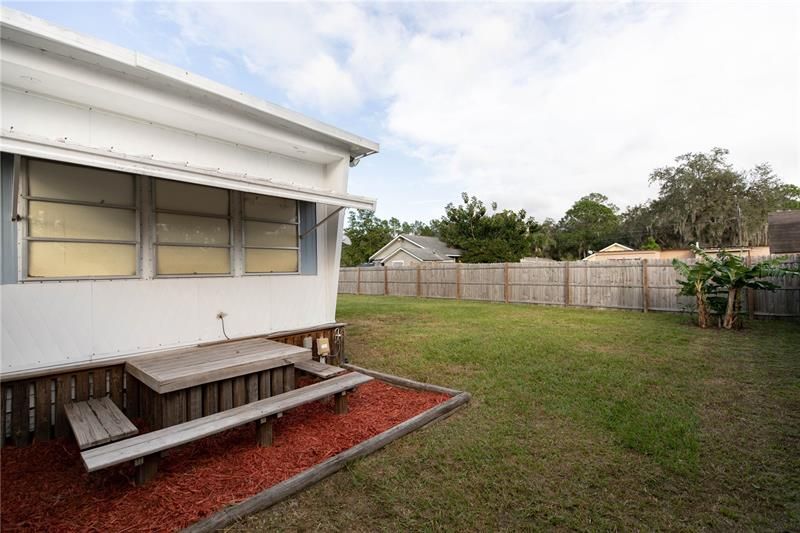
44, 37
81, 155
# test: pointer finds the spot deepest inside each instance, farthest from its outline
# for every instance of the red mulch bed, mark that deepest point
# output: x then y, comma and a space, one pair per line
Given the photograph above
45, 487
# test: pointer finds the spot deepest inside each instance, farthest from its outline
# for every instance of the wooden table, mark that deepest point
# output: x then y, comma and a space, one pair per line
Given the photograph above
187, 383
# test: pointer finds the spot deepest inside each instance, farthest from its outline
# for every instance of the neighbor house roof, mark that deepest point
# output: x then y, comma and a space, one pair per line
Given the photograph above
421, 247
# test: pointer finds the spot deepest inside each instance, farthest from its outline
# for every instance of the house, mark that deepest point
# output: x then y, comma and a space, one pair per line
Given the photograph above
784, 231
146, 208
620, 252
407, 249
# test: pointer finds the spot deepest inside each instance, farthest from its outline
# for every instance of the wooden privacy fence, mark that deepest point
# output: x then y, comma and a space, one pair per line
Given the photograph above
644, 285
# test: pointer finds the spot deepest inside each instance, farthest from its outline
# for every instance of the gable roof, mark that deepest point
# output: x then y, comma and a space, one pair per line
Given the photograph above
423, 248
615, 247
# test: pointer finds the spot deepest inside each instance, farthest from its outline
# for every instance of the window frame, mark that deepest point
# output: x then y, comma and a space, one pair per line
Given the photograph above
244, 218
26, 238
231, 246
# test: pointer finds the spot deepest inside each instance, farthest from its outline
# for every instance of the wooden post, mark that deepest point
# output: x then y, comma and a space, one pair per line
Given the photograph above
340, 403
751, 295
42, 409
419, 280
645, 288
505, 282
358, 280
146, 468
566, 284
20, 414
264, 431
458, 281
385, 280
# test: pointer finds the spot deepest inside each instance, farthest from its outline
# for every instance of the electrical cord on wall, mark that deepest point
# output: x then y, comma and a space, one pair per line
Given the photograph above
221, 315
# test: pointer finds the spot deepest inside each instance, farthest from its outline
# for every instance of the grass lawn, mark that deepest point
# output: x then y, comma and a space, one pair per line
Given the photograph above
580, 419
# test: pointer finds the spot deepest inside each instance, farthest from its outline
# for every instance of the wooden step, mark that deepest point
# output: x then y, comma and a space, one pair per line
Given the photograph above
97, 422
320, 370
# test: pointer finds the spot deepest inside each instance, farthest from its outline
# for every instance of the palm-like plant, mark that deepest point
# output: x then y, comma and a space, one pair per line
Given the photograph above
717, 283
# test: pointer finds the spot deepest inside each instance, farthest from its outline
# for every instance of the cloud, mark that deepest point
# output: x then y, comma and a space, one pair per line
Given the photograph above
532, 105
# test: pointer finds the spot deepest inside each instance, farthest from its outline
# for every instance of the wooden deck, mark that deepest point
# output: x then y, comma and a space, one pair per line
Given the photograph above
189, 367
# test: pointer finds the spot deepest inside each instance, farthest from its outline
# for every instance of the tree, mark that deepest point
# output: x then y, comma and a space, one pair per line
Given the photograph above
704, 199
650, 244
543, 238
591, 223
485, 237
367, 234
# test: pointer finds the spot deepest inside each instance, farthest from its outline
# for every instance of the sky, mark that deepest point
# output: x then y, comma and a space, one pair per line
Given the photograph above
530, 105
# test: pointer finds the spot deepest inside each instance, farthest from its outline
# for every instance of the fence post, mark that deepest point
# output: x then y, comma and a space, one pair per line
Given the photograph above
358, 280
419, 280
505, 282
458, 281
751, 295
566, 284
645, 288
385, 280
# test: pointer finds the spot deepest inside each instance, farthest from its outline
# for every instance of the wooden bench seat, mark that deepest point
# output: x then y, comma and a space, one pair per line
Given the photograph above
145, 449
320, 370
97, 422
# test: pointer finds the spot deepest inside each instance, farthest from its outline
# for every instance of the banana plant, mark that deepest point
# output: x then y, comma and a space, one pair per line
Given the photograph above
734, 275
717, 283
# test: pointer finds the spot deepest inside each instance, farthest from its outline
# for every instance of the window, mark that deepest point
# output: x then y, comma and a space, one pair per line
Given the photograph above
81, 222
270, 234
193, 234
398, 263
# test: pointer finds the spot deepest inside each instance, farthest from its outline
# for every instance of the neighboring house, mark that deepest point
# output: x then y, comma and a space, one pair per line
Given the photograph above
784, 232
406, 250
620, 252
140, 201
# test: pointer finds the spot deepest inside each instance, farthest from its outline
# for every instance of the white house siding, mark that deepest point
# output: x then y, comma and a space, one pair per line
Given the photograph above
407, 258
396, 245
52, 323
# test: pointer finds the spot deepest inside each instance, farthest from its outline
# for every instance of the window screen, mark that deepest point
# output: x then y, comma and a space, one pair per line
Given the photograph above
81, 222
270, 234
193, 233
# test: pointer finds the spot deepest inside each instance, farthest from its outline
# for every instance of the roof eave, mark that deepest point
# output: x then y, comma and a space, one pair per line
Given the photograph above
33, 31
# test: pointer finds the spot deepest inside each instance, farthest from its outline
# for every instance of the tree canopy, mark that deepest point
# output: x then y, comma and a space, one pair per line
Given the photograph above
702, 199
483, 236
590, 224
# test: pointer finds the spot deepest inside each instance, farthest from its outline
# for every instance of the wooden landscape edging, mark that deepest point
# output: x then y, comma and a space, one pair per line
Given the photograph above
305, 479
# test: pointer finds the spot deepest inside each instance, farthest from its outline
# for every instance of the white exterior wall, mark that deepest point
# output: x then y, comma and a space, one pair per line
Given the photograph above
54, 323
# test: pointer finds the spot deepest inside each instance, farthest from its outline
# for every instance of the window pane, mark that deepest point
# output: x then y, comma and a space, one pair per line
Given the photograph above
69, 259
187, 229
70, 182
188, 197
193, 260
269, 234
270, 208
257, 260
47, 219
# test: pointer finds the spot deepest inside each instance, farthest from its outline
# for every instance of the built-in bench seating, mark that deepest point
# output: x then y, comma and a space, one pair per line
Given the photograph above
319, 370
145, 450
